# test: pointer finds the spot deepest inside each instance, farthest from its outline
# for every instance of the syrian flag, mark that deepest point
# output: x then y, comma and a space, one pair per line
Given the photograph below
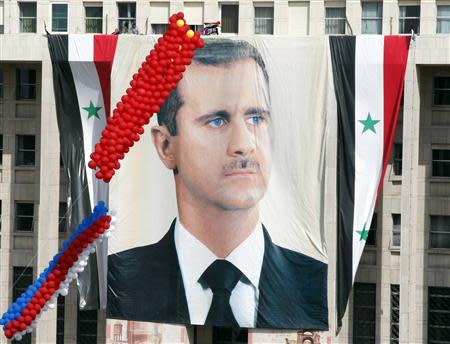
368, 76
82, 67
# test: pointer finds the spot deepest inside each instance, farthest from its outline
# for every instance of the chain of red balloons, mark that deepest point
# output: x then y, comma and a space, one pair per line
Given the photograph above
159, 74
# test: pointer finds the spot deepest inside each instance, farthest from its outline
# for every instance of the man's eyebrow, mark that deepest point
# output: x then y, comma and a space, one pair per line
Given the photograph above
213, 115
257, 110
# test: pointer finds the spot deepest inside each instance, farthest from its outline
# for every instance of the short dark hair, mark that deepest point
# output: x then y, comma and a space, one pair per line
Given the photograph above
215, 52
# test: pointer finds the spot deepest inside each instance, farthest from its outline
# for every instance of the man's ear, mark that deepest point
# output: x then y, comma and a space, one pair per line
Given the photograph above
163, 142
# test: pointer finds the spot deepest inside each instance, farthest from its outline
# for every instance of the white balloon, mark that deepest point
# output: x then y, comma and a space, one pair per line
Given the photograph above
29, 329
18, 336
64, 292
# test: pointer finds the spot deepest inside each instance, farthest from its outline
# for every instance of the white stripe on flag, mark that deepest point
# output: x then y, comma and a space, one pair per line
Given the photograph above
368, 144
89, 94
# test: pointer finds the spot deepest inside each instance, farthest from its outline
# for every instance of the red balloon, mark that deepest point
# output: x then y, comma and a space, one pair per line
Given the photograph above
22, 326
37, 308
8, 334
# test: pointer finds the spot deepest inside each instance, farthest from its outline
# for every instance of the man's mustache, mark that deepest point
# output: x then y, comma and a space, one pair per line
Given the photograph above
241, 164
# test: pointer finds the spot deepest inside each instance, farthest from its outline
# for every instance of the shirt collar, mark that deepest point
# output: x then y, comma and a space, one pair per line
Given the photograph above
194, 257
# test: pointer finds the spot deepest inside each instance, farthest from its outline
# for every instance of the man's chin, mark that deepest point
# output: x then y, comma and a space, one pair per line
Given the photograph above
241, 201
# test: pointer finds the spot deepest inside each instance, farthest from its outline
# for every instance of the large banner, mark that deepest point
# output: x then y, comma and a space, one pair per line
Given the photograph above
220, 205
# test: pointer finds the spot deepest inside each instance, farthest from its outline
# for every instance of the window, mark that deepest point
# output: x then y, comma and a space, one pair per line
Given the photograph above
372, 238
127, 16
194, 11
438, 315
396, 228
439, 231
60, 17
159, 29
395, 313
24, 217
264, 20
372, 17
443, 19
117, 332
2, 7
25, 153
94, 19
397, 154
409, 19
27, 16
87, 327
62, 223
60, 320
364, 303
22, 278
25, 83
441, 90
1, 84
441, 163
230, 18
1, 150
228, 335
335, 20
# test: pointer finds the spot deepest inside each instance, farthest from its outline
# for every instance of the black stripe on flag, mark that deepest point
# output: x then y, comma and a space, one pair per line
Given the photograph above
343, 62
72, 153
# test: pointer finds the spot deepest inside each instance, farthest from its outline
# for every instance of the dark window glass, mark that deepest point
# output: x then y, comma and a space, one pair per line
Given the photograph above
439, 231
1, 84
22, 278
24, 217
443, 19
25, 83
438, 315
59, 17
27, 16
230, 18
26, 150
264, 20
395, 313
441, 163
409, 19
60, 320
372, 238
364, 313
94, 19
397, 154
62, 224
441, 90
1, 149
87, 327
228, 335
372, 17
127, 16
396, 229
335, 20
159, 29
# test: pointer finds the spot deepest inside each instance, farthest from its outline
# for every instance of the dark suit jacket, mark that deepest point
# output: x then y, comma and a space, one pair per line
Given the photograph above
145, 284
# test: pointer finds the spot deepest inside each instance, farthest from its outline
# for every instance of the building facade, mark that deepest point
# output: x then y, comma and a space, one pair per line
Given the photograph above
402, 294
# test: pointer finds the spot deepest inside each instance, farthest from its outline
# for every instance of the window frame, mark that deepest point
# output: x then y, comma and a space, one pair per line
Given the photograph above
51, 16
358, 288
433, 161
62, 218
270, 21
17, 216
221, 6
397, 159
21, 18
396, 229
329, 19
24, 150
372, 236
437, 292
20, 95
438, 18
159, 28
432, 231
442, 89
395, 313
378, 19
400, 19
87, 5
126, 19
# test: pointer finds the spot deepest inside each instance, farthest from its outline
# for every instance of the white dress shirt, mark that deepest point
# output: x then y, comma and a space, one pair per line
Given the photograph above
194, 258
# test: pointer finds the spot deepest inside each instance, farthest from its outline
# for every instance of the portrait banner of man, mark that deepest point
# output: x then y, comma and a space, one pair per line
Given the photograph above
220, 205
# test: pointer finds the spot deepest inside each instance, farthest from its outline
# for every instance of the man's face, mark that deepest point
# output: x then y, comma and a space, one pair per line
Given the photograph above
223, 147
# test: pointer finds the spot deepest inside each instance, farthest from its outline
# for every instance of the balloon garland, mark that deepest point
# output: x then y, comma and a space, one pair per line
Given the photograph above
159, 74
22, 316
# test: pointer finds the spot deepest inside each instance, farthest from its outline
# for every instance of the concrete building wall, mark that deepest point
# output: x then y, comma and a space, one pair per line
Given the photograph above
415, 194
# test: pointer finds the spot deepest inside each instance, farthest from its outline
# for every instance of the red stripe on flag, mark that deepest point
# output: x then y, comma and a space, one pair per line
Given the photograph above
104, 51
395, 59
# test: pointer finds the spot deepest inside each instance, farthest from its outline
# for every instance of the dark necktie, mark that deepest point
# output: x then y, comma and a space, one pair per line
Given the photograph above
221, 276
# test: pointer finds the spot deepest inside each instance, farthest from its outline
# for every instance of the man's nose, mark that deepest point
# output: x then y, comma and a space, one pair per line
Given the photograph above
242, 139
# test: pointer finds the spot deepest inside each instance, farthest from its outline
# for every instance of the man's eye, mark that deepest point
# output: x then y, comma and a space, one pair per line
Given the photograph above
255, 120
216, 123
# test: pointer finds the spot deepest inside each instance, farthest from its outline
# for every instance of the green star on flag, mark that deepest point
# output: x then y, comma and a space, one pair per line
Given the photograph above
369, 123
92, 110
363, 234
